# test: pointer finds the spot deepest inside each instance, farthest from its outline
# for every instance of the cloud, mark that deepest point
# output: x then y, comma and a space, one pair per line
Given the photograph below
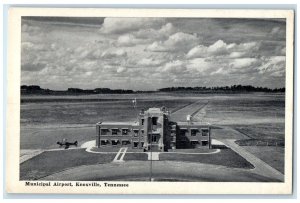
110, 54
220, 48
166, 51
121, 69
240, 63
273, 65
148, 62
33, 30
123, 25
200, 65
129, 40
275, 30
177, 42
174, 67
199, 51
33, 66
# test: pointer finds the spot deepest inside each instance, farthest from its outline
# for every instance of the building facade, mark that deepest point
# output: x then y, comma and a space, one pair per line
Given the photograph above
153, 131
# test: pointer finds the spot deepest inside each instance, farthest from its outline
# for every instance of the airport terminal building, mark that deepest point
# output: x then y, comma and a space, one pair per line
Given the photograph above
153, 131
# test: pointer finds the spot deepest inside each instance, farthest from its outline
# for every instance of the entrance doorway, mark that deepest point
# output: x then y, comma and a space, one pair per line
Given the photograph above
153, 140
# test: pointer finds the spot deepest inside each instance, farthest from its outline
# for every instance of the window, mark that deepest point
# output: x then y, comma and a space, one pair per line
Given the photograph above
135, 144
124, 131
204, 143
182, 132
135, 132
154, 120
194, 132
154, 139
204, 132
125, 142
194, 142
114, 131
114, 142
103, 142
142, 121
104, 131
142, 144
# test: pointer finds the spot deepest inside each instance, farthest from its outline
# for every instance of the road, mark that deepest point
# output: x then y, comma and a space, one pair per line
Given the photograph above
192, 109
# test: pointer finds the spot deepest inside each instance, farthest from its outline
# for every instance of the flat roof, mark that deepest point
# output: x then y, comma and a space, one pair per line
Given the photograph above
192, 123
119, 123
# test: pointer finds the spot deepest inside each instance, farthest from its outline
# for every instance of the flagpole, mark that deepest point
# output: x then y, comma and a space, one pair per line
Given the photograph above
151, 149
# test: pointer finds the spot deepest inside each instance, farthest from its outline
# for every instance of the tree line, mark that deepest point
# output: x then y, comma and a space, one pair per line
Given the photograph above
35, 89
233, 88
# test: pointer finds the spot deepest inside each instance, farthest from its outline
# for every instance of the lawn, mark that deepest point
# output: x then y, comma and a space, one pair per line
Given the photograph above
226, 157
245, 109
86, 112
263, 131
274, 156
51, 162
136, 156
46, 138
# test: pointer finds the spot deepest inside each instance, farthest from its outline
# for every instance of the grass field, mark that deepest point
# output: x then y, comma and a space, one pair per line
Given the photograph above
226, 157
136, 156
51, 162
274, 156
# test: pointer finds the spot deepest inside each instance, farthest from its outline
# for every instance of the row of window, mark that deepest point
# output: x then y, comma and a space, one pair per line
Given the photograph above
204, 132
195, 142
114, 131
136, 144
122, 142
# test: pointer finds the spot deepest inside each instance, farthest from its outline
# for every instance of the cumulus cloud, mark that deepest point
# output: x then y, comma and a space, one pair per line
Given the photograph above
199, 51
200, 65
123, 25
110, 54
121, 69
273, 65
177, 42
174, 67
240, 63
129, 40
150, 62
220, 48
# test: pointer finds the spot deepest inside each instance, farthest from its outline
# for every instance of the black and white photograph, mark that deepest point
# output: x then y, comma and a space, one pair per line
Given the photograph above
115, 100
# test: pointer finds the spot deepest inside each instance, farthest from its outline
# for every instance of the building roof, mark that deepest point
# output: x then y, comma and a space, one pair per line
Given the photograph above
193, 123
119, 123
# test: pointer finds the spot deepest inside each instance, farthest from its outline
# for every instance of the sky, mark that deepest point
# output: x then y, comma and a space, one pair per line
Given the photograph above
151, 53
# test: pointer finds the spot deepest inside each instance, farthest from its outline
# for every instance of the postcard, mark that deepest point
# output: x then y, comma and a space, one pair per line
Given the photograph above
149, 101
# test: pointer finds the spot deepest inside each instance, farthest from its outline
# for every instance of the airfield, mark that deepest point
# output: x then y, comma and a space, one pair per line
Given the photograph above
251, 126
